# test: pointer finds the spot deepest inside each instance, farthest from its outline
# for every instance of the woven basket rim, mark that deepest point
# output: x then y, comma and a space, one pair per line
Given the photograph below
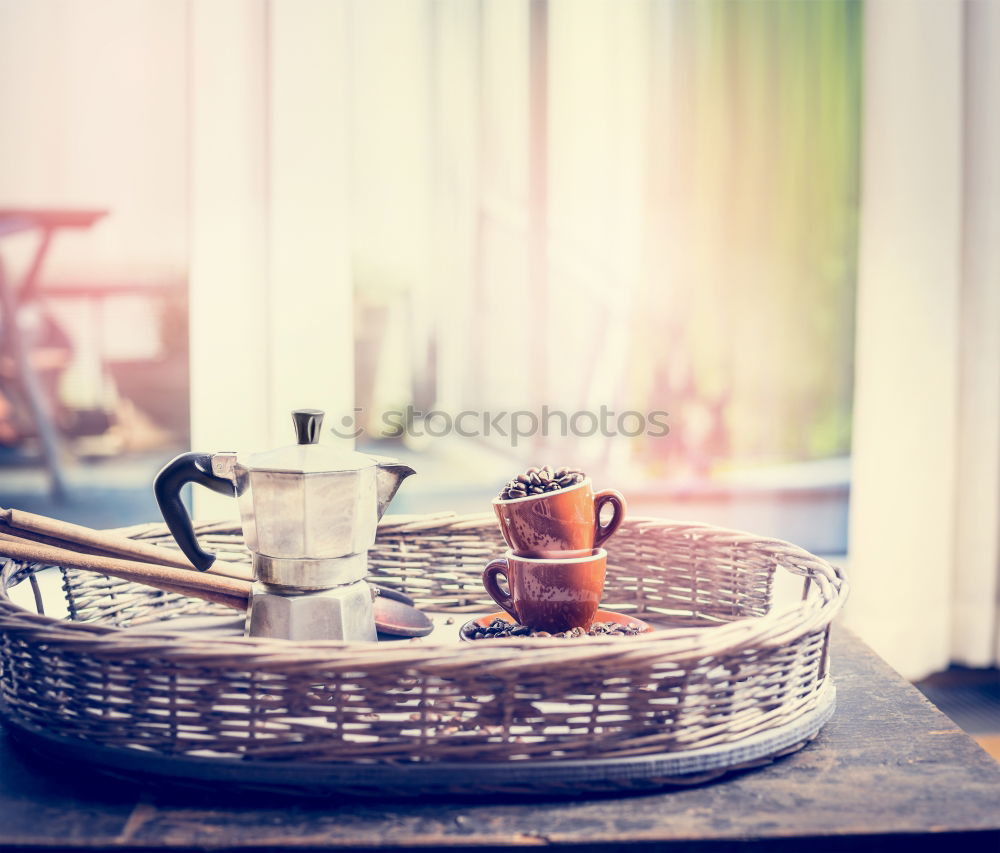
667, 644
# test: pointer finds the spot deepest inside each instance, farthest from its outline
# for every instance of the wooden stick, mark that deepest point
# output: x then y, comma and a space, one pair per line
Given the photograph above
30, 536
99, 540
234, 601
75, 537
229, 591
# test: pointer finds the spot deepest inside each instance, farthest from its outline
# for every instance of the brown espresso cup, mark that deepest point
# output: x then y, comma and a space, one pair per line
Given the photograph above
563, 523
549, 595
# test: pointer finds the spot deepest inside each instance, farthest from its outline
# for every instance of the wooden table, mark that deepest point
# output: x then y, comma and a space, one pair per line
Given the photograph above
889, 771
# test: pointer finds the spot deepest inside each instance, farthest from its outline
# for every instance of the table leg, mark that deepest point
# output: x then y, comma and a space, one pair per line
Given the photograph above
28, 291
32, 388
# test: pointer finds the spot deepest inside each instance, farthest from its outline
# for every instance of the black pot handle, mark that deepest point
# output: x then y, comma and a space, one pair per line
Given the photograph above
187, 468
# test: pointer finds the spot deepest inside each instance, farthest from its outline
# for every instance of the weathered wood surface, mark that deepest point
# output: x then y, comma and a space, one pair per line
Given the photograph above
888, 771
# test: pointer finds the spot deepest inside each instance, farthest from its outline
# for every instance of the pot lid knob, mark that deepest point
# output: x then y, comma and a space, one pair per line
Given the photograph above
308, 423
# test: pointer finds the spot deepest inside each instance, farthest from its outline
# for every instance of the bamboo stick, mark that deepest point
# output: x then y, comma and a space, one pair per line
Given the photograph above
76, 537
229, 591
100, 540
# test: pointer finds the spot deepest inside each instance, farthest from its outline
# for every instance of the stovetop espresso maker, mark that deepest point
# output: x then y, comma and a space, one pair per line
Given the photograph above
309, 514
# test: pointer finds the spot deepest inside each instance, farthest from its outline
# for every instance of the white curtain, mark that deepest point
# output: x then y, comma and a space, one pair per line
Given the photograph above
270, 288
925, 507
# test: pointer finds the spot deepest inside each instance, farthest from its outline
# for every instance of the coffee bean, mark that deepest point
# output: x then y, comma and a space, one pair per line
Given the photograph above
540, 481
502, 629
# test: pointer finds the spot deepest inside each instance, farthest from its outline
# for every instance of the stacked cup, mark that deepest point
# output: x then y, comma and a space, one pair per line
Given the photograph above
555, 566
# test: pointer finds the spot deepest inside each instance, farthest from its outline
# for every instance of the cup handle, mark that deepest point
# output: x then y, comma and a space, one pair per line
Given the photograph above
494, 568
617, 500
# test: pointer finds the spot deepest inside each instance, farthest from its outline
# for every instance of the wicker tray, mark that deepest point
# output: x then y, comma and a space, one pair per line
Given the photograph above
736, 678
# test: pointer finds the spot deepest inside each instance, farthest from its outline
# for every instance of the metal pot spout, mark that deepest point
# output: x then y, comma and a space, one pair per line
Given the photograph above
388, 479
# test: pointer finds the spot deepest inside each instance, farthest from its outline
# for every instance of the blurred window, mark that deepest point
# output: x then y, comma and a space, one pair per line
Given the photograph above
645, 205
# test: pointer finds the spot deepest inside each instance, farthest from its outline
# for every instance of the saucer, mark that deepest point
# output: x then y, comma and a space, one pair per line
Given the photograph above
599, 616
